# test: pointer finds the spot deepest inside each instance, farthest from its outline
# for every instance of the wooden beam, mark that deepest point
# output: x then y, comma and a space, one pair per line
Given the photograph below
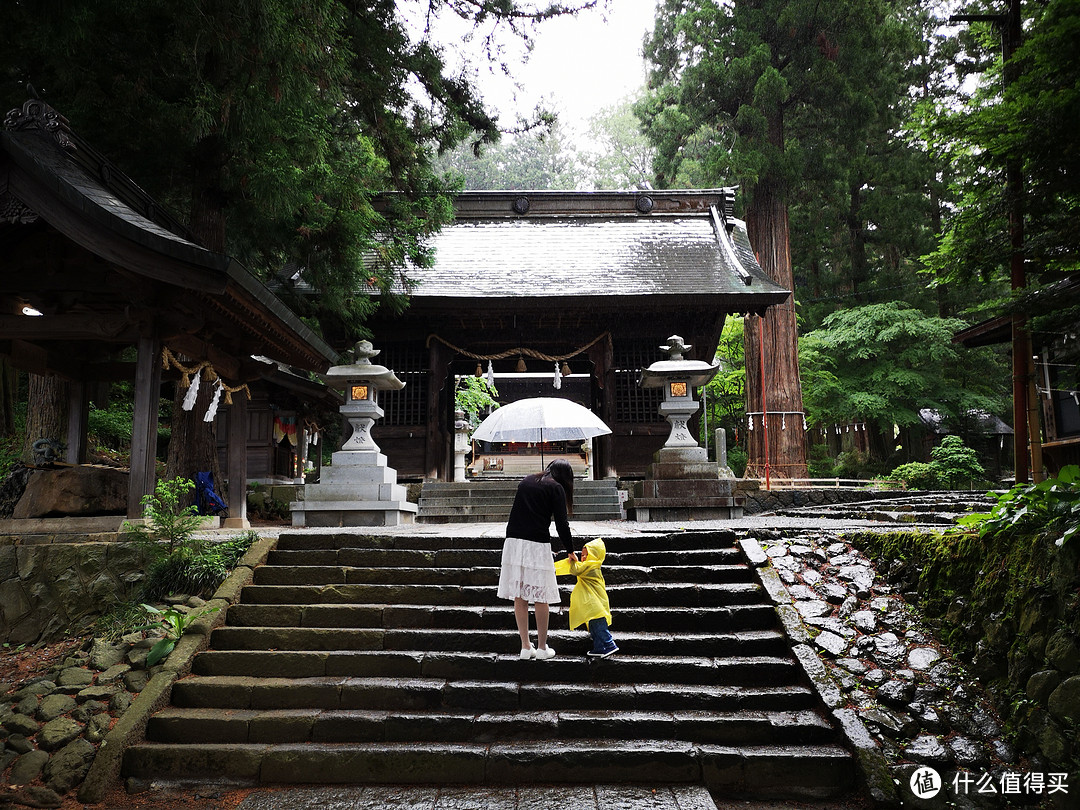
144, 429
78, 407
237, 462
104, 326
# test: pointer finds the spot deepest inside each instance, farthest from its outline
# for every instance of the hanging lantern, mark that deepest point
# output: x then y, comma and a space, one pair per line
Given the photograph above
521, 367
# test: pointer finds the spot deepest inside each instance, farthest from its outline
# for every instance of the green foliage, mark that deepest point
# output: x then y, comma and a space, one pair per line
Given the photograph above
111, 427
1030, 127
474, 395
724, 396
1049, 509
174, 623
528, 160
882, 363
170, 528
195, 572
624, 159
956, 463
819, 464
737, 459
286, 120
918, 475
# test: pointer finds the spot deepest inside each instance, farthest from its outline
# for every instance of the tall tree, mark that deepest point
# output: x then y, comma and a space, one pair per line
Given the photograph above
622, 157
273, 124
536, 159
778, 97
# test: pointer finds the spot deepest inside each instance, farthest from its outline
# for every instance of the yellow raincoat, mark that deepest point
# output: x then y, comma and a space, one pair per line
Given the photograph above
589, 599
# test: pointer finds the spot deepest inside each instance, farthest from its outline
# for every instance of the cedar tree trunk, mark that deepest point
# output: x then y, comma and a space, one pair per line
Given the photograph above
775, 336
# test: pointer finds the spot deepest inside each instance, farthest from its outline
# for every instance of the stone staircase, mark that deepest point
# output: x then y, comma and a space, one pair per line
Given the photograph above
389, 659
489, 501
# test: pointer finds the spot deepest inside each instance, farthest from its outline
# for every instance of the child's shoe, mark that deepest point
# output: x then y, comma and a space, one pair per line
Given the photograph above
544, 653
603, 653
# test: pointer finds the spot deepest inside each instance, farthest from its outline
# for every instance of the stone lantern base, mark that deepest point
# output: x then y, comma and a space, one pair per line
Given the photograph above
357, 489
682, 484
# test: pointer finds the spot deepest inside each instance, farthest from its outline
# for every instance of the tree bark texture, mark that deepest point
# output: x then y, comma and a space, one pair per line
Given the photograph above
46, 416
193, 442
773, 386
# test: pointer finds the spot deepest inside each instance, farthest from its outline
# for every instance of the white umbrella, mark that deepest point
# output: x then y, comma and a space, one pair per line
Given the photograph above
540, 419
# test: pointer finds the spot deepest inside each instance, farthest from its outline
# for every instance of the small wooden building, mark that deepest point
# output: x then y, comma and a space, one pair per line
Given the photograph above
588, 282
93, 265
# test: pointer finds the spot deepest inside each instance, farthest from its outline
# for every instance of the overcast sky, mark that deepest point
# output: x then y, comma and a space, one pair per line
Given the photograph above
578, 64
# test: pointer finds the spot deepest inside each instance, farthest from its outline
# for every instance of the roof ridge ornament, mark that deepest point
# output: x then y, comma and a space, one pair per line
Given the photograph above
36, 114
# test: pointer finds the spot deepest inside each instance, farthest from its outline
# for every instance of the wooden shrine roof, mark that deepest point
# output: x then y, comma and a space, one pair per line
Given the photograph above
613, 250
104, 263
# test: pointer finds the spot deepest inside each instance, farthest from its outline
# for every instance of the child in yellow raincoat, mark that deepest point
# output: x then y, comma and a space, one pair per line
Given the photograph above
589, 600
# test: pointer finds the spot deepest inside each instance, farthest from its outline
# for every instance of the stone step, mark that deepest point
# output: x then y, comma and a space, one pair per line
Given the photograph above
505, 641
235, 692
681, 594
492, 666
490, 501
809, 771
471, 557
483, 575
494, 617
681, 541
175, 725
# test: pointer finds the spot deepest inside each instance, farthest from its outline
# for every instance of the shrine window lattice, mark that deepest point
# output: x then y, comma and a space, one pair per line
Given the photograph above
633, 404
407, 407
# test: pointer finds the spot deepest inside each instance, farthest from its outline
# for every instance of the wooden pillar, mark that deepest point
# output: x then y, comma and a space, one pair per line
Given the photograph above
435, 450
78, 412
237, 462
602, 355
145, 425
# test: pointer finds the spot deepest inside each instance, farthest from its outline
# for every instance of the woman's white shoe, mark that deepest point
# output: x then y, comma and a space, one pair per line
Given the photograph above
527, 652
543, 653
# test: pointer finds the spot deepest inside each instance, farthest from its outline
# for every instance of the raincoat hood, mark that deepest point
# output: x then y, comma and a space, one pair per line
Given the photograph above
597, 551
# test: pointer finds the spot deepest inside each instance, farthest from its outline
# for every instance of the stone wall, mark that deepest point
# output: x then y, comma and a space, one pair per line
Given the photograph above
1013, 606
758, 500
50, 589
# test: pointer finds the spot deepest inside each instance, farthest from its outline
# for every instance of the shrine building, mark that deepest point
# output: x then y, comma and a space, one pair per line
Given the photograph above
589, 283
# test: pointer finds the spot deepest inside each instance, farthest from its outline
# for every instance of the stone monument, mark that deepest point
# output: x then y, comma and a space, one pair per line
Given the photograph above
681, 483
357, 488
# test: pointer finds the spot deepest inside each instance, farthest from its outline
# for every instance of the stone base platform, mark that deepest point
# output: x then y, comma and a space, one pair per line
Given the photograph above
682, 484
357, 489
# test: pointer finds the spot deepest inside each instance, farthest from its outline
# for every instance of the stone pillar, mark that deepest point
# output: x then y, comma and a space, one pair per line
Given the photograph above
461, 445
723, 470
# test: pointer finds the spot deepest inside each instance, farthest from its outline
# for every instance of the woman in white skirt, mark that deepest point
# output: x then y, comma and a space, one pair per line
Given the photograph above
528, 570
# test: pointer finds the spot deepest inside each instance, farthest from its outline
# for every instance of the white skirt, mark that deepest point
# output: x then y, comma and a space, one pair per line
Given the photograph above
528, 572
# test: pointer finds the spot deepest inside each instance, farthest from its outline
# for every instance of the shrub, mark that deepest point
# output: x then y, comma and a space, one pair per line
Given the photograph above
1049, 509
956, 463
169, 528
199, 573
918, 475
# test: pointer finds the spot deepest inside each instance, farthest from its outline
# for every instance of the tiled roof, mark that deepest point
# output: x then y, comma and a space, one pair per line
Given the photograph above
576, 256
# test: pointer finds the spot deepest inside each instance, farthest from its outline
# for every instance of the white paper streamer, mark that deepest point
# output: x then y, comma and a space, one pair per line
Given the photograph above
211, 412
192, 392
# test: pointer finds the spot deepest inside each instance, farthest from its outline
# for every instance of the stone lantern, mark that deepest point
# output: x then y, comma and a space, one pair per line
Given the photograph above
681, 483
357, 489
678, 378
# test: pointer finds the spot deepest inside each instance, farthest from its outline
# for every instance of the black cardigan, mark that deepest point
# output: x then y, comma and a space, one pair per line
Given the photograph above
539, 499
